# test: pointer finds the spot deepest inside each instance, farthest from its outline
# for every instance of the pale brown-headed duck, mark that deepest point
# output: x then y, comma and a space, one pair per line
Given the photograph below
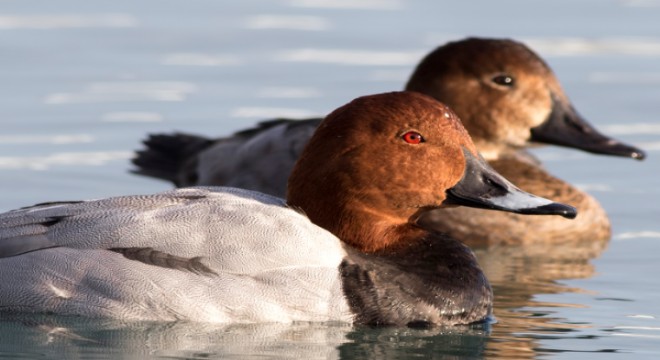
505, 94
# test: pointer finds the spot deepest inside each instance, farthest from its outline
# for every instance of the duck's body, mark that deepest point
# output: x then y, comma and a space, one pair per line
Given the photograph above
229, 255
219, 255
195, 254
506, 97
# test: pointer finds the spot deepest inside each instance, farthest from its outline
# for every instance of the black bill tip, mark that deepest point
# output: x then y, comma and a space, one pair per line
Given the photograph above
638, 154
565, 127
563, 210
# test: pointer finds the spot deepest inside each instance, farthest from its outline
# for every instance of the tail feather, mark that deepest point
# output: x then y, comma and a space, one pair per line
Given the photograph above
174, 157
167, 156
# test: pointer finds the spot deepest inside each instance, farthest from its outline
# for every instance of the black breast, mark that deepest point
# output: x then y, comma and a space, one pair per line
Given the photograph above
434, 281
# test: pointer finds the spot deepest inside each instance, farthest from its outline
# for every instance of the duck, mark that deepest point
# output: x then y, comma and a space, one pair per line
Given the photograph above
508, 99
343, 247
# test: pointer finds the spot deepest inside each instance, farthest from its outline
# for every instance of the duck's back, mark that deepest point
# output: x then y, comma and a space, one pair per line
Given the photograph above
259, 158
196, 254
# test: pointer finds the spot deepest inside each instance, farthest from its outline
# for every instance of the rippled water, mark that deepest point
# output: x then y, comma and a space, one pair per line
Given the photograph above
83, 82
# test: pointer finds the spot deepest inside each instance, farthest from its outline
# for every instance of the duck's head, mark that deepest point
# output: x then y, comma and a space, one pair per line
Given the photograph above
508, 97
383, 160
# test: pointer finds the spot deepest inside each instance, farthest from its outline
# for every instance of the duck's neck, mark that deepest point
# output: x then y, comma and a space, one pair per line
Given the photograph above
362, 226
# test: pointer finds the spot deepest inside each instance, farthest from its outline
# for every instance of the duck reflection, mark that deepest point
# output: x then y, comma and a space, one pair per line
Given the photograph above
60, 337
518, 274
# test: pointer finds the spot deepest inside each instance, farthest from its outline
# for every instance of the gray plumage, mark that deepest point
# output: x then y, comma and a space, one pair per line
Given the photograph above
250, 158
201, 254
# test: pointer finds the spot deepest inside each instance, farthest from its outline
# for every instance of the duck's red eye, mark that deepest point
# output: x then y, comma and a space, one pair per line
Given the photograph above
413, 137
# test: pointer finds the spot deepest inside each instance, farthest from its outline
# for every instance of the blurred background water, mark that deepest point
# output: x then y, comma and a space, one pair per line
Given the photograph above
83, 82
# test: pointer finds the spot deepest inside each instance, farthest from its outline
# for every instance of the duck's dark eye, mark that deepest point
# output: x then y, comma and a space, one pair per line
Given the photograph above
503, 79
413, 137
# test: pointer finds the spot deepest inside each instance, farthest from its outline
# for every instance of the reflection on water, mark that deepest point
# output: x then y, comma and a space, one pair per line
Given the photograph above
349, 4
308, 23
264, 112
350, 57
388, 343
79, 338
62, 159
70, 338
125, 92
44, 22
196, 59
638, 46
518, 275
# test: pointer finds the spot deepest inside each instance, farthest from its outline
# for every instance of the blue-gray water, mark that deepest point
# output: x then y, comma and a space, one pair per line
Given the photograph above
84, 81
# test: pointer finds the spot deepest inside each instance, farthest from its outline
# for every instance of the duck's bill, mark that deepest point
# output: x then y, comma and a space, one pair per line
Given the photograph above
565, 127
482, 187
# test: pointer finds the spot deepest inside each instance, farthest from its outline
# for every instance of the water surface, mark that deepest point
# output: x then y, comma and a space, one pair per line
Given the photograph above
84, 82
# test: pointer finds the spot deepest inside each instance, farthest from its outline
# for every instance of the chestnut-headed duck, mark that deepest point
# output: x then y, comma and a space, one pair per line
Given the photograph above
507, 98
344, 246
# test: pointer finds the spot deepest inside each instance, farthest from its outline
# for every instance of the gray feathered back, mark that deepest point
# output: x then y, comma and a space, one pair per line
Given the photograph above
234, 255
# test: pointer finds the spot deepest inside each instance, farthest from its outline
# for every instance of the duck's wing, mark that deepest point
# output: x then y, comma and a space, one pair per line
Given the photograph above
258, 158
216, 229
119, 222
202, 254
